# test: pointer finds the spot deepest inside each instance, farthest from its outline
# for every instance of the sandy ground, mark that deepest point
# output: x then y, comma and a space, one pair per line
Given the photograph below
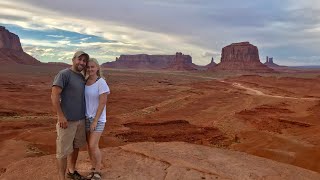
275, 116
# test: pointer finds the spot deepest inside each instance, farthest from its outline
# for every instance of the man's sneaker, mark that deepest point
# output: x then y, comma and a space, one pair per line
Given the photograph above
76, 176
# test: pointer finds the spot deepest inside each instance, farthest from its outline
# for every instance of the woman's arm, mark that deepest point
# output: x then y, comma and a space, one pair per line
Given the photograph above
102, 103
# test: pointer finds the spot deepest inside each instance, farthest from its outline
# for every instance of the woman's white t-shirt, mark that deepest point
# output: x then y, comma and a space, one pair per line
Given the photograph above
92, 94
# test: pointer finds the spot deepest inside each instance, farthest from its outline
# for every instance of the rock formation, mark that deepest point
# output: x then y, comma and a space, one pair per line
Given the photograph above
241, 56
169, 160
157, 62
9, 40
269, 62
140, 61
182, 62
11, 51
211, 64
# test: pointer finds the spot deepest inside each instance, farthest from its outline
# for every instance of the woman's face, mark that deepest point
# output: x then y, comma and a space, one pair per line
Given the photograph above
92, 68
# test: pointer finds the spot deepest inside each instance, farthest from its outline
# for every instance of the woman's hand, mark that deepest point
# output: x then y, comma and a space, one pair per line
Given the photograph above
93, 125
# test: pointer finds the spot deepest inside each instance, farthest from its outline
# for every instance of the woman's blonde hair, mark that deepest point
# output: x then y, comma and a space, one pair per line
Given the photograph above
99, 72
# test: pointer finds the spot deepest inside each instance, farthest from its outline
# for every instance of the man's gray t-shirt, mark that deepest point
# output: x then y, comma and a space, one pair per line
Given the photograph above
72, 95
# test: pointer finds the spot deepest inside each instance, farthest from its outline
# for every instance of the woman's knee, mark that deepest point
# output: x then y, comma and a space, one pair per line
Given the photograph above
93, 146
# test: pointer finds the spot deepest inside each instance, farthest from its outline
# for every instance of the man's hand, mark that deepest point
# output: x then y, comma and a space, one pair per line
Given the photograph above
63, 123
55, 98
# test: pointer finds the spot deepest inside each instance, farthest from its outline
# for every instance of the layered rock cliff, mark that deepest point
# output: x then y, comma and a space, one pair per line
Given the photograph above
182, 62
157, 62
11, 51
9, 40
140, 61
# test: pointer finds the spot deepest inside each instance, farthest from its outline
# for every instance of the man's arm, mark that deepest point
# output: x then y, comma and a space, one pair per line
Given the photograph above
55, 99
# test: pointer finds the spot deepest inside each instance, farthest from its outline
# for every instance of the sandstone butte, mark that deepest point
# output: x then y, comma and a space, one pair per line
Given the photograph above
241, 56
178, 61
11, 51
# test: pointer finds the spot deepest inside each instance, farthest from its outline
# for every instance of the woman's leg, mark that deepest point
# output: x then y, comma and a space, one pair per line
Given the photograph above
89, 152
94, 150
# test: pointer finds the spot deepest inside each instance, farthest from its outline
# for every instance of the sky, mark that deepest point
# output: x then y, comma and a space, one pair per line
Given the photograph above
51, 31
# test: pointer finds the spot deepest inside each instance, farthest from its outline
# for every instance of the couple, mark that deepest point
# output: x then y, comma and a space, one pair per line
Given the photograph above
79, 96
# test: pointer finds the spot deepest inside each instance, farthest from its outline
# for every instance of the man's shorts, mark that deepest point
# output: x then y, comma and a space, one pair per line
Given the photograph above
74, 136
99, 127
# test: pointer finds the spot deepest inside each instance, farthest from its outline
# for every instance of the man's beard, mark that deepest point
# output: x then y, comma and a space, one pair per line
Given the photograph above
79, 68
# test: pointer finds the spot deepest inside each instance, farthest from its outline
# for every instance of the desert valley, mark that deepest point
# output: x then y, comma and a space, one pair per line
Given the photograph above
169, 118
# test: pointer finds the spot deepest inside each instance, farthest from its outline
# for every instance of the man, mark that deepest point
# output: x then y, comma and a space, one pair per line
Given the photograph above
67, 97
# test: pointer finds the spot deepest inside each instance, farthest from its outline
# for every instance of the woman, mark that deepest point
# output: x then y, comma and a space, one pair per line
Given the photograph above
96, 91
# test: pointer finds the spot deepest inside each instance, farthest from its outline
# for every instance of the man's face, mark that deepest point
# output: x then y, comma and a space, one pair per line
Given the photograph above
80, 62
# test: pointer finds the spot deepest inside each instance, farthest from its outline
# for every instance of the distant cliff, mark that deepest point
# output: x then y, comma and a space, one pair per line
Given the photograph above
9, 40
211, 64
156, 62
11, 51
269, 62
241, 56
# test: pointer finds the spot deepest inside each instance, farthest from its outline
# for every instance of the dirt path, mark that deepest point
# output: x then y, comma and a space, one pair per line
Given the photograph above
259, 93
251, 90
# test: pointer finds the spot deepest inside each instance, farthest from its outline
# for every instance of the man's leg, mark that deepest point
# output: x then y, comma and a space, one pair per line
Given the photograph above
62, 166
79, 141
64, 144
72, 160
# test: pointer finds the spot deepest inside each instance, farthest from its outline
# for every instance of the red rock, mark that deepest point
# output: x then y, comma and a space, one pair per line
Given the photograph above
9, 56
269, 62
182, 62
11, 51
9, 40
241, 56
167, 160
211, 64
140, 61
157, 62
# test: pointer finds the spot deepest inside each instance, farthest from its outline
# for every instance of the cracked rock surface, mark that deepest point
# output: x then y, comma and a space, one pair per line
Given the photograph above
170, 160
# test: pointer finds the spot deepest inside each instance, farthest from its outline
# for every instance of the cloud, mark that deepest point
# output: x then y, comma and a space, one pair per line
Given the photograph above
45, 43
281, 29
210, 54
55, 36
85, 39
